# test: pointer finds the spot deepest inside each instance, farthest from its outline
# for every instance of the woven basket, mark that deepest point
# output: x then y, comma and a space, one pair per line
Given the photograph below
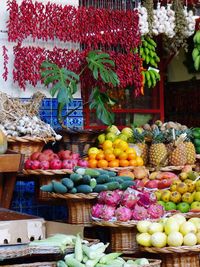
34, 264
9, 252
152, 262
79, 207
27, 145
124, 239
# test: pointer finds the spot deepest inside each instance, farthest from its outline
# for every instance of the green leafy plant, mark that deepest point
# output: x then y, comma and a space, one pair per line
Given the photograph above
64, 84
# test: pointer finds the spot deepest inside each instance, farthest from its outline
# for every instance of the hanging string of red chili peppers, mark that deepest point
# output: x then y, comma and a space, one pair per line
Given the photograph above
28, 60
5, 63
89, 25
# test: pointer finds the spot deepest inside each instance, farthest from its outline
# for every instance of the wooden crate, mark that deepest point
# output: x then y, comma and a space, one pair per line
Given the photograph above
11, 161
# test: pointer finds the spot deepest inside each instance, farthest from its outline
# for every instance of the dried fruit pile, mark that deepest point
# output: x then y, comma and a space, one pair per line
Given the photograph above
128, 205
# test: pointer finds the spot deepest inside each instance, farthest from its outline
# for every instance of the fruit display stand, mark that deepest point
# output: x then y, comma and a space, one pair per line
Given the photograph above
184, 256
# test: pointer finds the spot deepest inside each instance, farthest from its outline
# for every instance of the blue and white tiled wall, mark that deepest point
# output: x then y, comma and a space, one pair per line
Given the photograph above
24, 195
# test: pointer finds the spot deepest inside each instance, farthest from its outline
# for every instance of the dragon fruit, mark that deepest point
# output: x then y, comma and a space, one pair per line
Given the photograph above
129, 199
108, 212
155, 211
123, 214
139, 213
101, 197
145, 199
97, 210
111, 198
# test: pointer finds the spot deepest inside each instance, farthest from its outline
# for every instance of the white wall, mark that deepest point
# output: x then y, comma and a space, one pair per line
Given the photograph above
8, 86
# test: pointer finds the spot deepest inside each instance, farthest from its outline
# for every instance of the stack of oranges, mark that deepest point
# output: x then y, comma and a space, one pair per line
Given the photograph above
113, 154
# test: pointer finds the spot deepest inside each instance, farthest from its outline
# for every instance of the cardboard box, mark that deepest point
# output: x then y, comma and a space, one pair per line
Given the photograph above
63, 228
11, 161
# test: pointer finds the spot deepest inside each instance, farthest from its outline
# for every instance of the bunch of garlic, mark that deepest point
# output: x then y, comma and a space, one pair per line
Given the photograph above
190, 22
163, 21
143, 23
28, 126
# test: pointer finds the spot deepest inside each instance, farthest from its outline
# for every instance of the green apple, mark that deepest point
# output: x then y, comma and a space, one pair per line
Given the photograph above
170, 206
162, 203
183, 207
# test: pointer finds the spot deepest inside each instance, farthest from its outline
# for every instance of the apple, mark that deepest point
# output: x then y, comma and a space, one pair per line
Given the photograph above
55, 164
35, 165
35, 155
44, 165
67, 164
28, 164
47, 151
195, 206
43, 157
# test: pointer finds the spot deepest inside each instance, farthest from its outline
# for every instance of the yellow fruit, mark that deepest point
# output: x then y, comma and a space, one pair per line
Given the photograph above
131, 150
139, 161
123, 155
93, 150
123, 137
107, 144
117, 151
123, 145
111, 136
182, 188
116, 142
108, 151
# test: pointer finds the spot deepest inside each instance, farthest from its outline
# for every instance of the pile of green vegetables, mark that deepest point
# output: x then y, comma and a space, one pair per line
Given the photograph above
86, 180
196, 139
94, 256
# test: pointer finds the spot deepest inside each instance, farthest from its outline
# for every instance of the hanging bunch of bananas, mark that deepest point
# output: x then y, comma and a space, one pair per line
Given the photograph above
150, 58
196, 50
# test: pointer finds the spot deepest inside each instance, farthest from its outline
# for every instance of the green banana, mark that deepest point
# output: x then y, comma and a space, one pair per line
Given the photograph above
147, 59
147, 76
195, 53
197, 63
153, 63
146, 50
149, 83
198, 37
151, 41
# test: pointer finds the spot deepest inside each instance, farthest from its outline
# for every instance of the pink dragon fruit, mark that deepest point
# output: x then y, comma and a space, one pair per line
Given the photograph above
139, 213
144, 200
111, 198
155, 211
108, 212
129, 199
97, 210
123, 214
101, 197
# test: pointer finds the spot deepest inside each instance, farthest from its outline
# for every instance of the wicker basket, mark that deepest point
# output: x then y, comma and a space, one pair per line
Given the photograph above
152, 262
183, 256
27, 145
124, 239
34, 264
79, 207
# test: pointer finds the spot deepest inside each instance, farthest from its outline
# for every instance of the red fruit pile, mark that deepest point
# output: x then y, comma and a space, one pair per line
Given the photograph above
127, 205
47, 159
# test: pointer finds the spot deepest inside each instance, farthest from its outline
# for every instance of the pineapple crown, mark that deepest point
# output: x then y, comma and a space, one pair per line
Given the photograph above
139, 137
157, 136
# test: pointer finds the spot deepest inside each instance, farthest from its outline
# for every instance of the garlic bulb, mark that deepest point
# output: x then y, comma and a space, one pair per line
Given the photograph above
143, 23
190, 29
164, 20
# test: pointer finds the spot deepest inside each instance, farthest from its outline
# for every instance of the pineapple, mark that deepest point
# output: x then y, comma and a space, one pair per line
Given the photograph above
140, 143
178, 156
190, 149
158, 155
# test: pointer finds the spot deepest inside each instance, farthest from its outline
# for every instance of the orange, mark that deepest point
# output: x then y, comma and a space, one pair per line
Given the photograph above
133, 162
107, 144
109, 157
102, 163
108, 151
92, 163
140, 161
114, 163
100, 156
123, 155
92, 156
123, 163
123, 145
132, 156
